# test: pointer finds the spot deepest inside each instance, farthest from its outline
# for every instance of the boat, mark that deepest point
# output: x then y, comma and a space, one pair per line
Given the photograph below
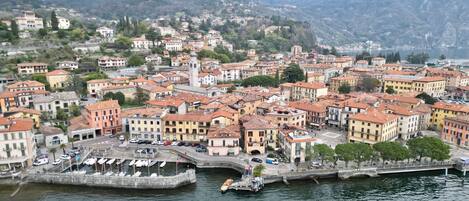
82, 172
97, 173
139, 163
110, 162
109, 174
226, 185
102, 161
153, 175
93, 161
132, 163
137, 174
163, 164
120, 161
145, 163
152, 163
121, 174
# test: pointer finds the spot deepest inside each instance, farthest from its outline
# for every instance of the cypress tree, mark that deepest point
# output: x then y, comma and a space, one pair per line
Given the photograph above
54, 22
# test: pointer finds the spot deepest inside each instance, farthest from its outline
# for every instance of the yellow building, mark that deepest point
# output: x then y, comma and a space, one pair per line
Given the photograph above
58, 79
316, 77
442, 110
146, 124
372, 126
8, 100
187, 127
258, 134
24, 113
287, 116
310, 91
336, 82
433, 86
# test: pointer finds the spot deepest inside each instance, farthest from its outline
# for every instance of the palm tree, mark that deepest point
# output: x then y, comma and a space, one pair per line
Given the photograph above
62, 146
71, 140
53, 151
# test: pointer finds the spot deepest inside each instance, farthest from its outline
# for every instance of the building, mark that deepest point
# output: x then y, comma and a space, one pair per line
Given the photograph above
194, 67
155, 92
456, 131
336, 82
258, 134
316, 77
378, 61
372, 126
141, 43
296, 50
24, 113
58, 79
433, 86
441, 110
31, 68
105, 32
192, 127
287, 116
67, 65
173, 45
408, 122
146, 124
53, 136
17, 145
316, 113
29, 21
310, 91
224, 141
29, 85
104, 116
64, 23
107, 63
295, 141
52, 103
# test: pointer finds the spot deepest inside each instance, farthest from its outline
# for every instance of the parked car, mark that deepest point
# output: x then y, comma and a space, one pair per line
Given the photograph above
57, 161
112, 136
147, 141
316, 164
41, 161
181, 144
156, 142
201, 149
257, 160
167, 143
272, 161
121, 138
195, 144
175, 143
187, 144
133, 140
65, 157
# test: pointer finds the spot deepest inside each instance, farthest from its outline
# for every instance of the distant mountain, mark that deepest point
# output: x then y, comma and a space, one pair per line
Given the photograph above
393, 23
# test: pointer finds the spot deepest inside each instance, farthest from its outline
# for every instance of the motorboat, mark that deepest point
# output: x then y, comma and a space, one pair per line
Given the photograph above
121, 174
132, 163
137, 174
110, 162
153, 175
163, 164
152, 163
109, 174
120, 161
102, 161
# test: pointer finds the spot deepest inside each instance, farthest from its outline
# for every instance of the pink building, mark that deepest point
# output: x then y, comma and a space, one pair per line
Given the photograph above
105, 117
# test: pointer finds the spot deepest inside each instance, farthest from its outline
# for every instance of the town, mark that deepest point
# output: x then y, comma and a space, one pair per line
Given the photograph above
196, 90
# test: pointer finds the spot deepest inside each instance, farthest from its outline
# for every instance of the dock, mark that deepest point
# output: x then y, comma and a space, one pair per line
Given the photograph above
247, 183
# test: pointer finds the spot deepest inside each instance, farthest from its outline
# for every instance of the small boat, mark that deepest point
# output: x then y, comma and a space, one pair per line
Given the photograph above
120, 161
97, 173
226, 185
93, 161
163, 164
137, 174
109, 174
102, 161
145, 163
152, 163
110, 162
121, 174
153, 175
132, 163
82, 172
139, 163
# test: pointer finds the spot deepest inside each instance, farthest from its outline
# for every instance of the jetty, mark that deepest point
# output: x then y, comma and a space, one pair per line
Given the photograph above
247, 183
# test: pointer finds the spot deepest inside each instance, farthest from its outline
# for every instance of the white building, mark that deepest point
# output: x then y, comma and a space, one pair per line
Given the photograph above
141, 43
146, 124
194, 67
17, 145
173, 45
154, 58
64, 23
29, 21
207, 79
55, 101
105, 32
106, 62
67, 65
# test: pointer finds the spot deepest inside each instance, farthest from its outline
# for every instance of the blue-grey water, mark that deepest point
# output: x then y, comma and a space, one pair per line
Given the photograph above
422, 186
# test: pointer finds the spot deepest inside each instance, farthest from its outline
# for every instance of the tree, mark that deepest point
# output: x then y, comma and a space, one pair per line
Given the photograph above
75, 110
427, 98
136, 60
14, 29
391, 151
362, 152
324, 152
54, 22
293, 73
123, 42
141, 97
63, 146
108, 96
390, 90
42, 79
152, 36
277, 79
231, 89
334, 51
42, 32
369, 84
345, 88
95, 76
257, 171
442, 57
53, 151
61, 115
344, 152
120, 97
419, 58
259, 80
61, 34
430, 147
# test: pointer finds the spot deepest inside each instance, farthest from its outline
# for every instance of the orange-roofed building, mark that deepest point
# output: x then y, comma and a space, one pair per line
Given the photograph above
316, 113
456, 131
372, 126
191, 127
408, 122
31, 68
295, 141
310, 91
58, 79
29, 85
224, 141
105, 117
259, 133
441, 110
17, 144
336, 82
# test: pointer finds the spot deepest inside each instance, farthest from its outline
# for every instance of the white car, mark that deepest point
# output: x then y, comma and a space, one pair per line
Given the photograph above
175, 143
40, 161
121, 138
133, 140
57, 161
156, 142
65, 157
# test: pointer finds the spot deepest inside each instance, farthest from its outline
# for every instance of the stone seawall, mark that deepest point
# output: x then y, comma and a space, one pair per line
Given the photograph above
160, 182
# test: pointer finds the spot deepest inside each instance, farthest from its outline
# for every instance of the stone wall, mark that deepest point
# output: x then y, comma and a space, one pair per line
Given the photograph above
160, 182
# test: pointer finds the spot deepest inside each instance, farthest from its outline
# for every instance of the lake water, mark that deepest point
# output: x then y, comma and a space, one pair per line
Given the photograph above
422, 186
